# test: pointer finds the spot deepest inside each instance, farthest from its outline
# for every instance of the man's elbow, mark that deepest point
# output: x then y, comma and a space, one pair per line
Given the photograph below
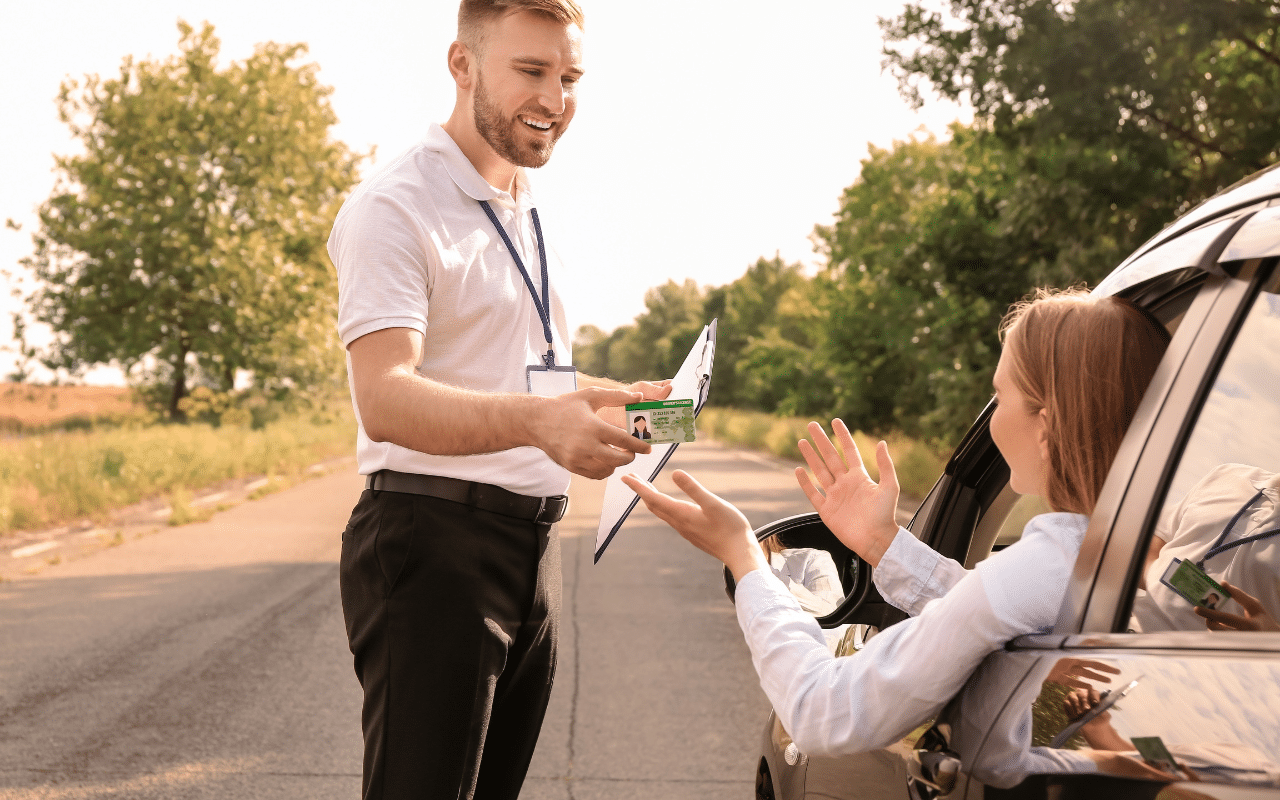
376, 433
373, 416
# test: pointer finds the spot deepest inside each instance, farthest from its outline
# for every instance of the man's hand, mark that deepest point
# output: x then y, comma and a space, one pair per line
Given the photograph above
1077, 703
709, 523
859, 511
649, 390
570, 432
1255, 616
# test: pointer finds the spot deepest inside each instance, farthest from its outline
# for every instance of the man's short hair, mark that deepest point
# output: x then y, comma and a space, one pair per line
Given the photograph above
475, 15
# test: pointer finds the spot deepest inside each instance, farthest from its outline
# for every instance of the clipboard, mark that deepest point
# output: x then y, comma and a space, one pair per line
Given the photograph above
693, 380
1108, 699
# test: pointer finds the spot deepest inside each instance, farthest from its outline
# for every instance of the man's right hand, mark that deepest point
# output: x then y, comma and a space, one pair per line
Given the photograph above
569, 431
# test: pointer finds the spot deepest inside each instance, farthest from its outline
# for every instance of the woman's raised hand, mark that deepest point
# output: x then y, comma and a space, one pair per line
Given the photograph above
859, 511
710, 523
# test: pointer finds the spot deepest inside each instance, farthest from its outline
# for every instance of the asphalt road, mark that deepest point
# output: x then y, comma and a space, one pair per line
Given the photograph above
209, 661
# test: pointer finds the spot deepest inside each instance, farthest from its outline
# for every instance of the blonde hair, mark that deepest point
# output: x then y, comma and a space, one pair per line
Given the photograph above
1087, 361
475, 15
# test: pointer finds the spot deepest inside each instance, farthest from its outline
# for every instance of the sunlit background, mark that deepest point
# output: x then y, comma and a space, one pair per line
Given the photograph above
708, 134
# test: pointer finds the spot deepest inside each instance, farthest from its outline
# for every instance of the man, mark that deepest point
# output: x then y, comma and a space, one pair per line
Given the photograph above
469, 422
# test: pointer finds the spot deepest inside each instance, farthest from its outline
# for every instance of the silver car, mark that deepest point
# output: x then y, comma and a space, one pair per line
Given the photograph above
1209, 700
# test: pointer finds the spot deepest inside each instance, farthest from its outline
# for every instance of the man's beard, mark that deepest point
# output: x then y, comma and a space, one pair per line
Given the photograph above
500, 133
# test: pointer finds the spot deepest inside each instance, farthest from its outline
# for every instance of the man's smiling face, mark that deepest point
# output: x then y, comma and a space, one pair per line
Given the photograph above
526, 87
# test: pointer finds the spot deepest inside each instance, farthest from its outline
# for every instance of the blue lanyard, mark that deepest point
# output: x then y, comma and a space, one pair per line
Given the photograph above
1219, 547
543, 305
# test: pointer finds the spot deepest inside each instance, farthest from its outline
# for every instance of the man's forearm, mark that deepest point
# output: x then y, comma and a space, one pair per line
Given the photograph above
431, 417
586, 381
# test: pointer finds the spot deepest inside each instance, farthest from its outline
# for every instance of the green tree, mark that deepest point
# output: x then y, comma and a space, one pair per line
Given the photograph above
748, 312
189, 234
655, 345
1182, 97
919, 268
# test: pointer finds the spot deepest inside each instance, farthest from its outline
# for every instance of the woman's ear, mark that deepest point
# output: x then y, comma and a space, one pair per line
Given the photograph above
1042, 434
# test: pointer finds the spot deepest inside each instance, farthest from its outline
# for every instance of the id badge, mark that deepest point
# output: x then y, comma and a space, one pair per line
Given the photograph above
551, 381
1193, 585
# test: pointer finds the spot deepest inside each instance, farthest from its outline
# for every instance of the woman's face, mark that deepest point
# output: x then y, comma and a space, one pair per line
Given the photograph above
1020, 433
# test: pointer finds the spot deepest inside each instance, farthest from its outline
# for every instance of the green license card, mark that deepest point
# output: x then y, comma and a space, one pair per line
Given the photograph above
661, 421
1189, 581
1153, 751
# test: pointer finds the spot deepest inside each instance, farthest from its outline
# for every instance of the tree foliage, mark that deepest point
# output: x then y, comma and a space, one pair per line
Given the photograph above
1097, 123
1180, 96
189, 232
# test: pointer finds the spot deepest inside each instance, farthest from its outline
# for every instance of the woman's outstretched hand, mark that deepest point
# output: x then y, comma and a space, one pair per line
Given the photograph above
710, 523
859, 511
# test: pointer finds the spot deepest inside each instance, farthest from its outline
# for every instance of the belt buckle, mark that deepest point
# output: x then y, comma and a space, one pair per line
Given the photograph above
542, 506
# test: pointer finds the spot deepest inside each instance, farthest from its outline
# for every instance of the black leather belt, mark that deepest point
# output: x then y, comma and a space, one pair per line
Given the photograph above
484, 496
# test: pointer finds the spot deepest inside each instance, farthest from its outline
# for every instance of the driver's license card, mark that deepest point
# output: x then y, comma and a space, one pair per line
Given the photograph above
1153, 751
1189, 581
661, 421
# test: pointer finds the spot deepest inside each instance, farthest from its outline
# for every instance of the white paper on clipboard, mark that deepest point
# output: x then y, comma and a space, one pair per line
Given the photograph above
692, 381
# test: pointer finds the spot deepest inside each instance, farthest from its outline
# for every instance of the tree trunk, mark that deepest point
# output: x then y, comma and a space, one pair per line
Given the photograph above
179, 386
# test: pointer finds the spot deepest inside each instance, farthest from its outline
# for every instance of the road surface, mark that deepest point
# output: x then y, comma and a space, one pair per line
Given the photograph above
209, 661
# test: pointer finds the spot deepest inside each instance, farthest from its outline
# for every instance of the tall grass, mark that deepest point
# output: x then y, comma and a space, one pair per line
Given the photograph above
916, 464
63, 476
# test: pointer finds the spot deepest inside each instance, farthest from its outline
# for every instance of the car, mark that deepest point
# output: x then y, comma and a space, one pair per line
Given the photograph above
1210, 700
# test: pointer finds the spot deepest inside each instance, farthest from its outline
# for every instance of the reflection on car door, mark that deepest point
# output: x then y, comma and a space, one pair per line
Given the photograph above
1207, 447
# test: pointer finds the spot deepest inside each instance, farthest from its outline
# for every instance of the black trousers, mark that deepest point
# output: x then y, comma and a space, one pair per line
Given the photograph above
451, 614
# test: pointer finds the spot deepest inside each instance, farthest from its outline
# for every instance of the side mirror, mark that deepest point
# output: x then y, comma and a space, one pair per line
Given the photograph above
830, 580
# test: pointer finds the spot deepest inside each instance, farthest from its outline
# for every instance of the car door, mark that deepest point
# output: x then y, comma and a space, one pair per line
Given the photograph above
1206, 437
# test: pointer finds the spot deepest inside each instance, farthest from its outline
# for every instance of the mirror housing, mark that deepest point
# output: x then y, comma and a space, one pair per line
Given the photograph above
809, 531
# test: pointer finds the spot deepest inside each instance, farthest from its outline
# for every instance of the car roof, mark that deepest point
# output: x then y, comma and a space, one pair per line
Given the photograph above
1238, 223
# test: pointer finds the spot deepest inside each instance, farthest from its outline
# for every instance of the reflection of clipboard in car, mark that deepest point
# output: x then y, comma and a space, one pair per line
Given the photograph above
692, 381
1108, 699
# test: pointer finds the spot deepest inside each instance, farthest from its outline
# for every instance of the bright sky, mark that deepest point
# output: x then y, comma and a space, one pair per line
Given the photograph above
708, 134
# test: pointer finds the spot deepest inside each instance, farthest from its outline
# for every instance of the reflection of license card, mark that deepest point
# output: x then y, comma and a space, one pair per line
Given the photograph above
661, 421
1197, 588
1153, 751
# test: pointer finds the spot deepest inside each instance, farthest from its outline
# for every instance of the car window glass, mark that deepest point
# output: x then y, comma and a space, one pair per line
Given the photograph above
1002, 524
1220, 519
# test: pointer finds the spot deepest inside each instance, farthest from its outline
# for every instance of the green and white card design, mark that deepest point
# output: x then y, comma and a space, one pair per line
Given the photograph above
1188, 580
661, 421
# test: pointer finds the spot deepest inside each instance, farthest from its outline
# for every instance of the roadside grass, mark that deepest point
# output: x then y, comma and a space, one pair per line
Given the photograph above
27, 408
917, 464
62, 476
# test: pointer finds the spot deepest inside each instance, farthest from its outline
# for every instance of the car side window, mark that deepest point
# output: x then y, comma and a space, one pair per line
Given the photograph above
1220, 519
1002, 524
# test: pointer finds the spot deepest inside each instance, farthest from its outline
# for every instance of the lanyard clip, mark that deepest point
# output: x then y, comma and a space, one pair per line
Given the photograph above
550, 358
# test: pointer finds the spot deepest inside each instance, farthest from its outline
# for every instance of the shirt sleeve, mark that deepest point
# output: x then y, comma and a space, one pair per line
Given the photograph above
907, 673
911, 573
836, 706
384, 265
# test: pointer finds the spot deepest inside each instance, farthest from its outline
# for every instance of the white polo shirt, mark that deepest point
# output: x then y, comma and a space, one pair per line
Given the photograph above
414, 249
1192, 528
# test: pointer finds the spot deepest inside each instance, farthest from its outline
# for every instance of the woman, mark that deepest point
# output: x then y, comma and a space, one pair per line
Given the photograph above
1069, 380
